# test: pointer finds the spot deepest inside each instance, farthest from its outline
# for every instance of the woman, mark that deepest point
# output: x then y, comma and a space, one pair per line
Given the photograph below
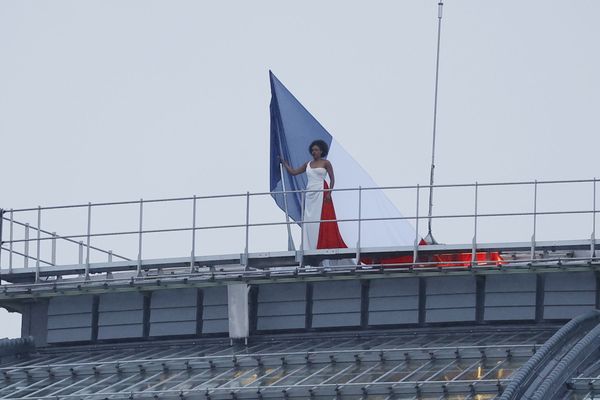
318, 205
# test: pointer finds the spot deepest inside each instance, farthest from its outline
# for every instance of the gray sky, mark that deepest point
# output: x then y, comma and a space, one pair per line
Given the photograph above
112, 100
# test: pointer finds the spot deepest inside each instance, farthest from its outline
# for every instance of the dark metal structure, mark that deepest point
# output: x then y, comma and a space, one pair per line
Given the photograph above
440, 363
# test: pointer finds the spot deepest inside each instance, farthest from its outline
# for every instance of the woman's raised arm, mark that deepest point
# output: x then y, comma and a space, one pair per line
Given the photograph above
293, 171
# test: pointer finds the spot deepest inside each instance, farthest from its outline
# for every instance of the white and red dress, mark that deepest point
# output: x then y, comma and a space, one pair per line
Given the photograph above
324, 234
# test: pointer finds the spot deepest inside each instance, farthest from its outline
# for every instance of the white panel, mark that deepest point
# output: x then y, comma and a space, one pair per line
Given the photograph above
239, 323
375, 204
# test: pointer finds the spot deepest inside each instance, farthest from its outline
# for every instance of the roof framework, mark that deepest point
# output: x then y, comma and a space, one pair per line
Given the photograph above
424, 364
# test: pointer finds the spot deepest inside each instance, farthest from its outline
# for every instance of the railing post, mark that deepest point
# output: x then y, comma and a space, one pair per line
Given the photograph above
291, 245
37, 251
474, 243
10, 245
245, 256
80, 248
109, 272
193, 256
359, 224
593, 238
53, 259
416, 248
87, 254
534, 220
139, 259
26, 245
300, 254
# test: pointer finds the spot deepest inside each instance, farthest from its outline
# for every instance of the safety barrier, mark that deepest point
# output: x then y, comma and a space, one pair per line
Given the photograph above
221, 227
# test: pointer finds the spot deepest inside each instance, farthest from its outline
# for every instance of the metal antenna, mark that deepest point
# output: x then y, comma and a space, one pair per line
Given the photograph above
429, 238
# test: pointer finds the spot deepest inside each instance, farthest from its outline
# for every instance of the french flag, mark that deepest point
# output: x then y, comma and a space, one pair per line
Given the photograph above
293, 129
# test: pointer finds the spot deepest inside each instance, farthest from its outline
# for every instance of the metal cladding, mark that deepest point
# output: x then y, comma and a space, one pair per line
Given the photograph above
310, 301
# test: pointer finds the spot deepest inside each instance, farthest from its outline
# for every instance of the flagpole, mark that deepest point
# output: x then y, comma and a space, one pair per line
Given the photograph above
429, 238
291, 246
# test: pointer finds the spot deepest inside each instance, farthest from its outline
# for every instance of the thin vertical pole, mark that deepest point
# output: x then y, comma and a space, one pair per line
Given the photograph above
26, 244
593, 238
37, 250
247, 229
53, 259
416, 248
193, 258
110, 258
474, 243
534, 220
139, 260
359, 224
291, 246
80, 249
88, 238
301, 251
430, 238
10, 246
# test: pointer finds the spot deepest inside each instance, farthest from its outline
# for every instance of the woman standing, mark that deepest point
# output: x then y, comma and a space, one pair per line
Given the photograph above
318, 205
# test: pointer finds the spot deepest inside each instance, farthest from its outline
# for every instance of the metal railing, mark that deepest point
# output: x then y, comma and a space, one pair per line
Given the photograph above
28, 219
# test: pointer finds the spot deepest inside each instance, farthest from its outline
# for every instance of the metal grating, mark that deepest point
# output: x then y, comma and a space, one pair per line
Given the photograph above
424, 364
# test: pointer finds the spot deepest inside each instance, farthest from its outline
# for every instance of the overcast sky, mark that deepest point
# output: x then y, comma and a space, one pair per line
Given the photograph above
119, 100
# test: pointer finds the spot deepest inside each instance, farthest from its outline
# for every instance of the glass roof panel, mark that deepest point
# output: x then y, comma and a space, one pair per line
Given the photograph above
374, 361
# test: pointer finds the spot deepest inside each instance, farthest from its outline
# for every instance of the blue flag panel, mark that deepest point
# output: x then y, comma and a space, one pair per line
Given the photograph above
293, 128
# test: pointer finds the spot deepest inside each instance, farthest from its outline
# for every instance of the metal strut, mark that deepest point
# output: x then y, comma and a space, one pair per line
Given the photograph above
291, 246
429, 238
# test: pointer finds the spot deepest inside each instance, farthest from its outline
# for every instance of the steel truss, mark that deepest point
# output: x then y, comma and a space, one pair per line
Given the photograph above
386, 365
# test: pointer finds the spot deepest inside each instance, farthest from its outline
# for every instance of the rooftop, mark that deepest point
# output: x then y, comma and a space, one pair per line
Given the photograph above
420, 363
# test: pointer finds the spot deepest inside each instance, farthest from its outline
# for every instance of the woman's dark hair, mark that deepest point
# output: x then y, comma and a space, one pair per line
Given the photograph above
321, 145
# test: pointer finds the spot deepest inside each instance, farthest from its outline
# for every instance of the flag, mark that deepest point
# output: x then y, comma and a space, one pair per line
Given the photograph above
293, 128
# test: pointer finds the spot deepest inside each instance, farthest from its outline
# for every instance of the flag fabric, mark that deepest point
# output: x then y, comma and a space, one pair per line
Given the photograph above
293, 128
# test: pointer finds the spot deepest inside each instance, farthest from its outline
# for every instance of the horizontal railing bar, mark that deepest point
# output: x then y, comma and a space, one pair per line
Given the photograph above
459, 185
466, 185
56, 236
430, 248
408, 187
25, 255
130, 202
263, 224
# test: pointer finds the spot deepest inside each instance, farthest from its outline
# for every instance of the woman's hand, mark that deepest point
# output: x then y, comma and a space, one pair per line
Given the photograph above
290, 170
284, 163
327, 195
